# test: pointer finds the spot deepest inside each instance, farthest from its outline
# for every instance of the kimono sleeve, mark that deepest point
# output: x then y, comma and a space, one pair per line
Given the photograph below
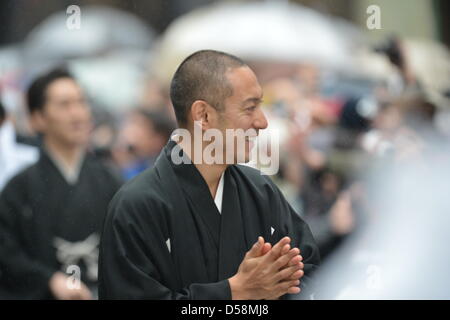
295, 227
19, 269
135, 262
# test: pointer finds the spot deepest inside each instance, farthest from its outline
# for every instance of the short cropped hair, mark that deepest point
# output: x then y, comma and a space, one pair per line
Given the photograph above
37, 92
202, 76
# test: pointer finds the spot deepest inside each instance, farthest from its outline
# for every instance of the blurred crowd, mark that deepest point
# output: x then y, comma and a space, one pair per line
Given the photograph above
335, 128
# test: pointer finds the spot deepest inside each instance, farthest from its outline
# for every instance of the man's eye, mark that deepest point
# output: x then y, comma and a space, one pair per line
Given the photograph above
252, 108
64, 103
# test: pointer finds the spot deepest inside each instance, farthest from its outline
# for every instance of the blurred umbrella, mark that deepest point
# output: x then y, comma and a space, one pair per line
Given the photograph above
258, 31
102, 29
430, 63
400, 249
114, 82
110, 47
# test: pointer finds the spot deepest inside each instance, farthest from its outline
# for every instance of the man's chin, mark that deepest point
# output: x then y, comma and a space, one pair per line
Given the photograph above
77, 141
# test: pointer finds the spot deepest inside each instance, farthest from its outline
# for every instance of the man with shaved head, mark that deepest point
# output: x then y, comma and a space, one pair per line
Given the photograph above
197, 229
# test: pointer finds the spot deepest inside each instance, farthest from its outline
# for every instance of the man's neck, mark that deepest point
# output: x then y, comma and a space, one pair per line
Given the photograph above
210, 172
68, 155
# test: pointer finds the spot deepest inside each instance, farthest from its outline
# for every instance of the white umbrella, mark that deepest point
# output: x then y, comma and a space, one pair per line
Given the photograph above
258, 31
101, 29
107, 54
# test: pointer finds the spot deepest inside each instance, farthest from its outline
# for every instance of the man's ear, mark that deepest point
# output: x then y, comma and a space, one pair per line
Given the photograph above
37, 121
202, 111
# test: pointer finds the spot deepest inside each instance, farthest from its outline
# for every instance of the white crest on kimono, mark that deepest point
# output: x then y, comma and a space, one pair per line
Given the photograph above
71, 253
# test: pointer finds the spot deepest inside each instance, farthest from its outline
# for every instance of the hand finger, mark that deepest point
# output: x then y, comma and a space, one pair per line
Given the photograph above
297, 275
297, 260
255, 250
284, 287
283, 260
285, 249
277, 248
87, 295
293, 273
266, 248
275, 252
294, 290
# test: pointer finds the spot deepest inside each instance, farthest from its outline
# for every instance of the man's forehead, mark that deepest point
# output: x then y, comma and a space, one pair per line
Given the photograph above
63, 87
245, 84
254, 99
243, 73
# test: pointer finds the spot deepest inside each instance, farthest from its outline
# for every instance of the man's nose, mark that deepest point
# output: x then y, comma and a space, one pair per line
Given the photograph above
79, 110
260, 120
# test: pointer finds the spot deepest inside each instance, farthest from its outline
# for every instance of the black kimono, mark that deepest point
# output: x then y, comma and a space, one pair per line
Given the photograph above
164, 237
47, 224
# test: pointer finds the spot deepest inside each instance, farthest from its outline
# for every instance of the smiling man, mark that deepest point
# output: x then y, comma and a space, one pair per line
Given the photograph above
198, 230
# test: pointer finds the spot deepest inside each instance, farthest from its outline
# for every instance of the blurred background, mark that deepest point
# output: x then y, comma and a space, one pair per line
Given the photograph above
358, 91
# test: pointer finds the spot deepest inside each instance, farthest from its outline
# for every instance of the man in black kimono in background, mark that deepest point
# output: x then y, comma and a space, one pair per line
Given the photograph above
205, 231
51, 213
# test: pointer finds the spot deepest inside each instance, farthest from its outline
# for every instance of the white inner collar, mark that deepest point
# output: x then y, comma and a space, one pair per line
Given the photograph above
70, 173
219, 193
